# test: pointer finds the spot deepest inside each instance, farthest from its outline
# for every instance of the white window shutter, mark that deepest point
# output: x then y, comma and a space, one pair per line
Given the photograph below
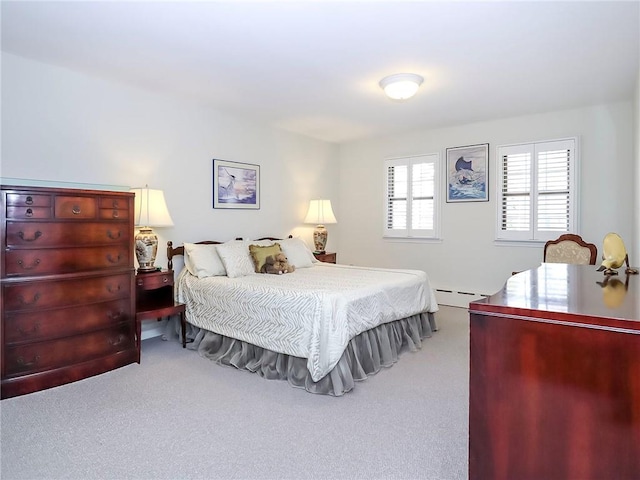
397, 186
411, 199
537, 191
555, 192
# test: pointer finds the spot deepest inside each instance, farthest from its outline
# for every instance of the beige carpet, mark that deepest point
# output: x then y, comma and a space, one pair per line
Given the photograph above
178, 415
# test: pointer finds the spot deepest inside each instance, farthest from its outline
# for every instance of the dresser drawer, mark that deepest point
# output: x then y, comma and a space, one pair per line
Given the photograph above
35, 295
26, 213
29, 262
28, 200
35, 325
75, 207
114, 202
113, 214
45, 234
151, 281
39, 356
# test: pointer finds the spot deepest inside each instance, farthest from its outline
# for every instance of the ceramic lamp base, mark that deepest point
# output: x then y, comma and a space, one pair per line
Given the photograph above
320, 238
146, 249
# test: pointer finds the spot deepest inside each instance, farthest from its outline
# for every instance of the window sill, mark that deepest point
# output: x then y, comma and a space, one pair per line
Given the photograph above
519, 243
412, 239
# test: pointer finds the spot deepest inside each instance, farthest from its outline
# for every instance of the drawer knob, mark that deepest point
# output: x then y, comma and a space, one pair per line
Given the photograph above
29, 200
113, 289
113, 236
33, 265
36, 297
21, 361
115, 316
31, 331
114, 260
165, 279
117, 341
36, 236
76, 210
29, 212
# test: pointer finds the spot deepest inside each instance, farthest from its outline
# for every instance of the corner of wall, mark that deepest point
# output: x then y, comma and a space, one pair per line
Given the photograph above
635, 251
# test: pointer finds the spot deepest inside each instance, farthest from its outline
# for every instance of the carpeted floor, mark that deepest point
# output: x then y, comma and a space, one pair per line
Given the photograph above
177, 415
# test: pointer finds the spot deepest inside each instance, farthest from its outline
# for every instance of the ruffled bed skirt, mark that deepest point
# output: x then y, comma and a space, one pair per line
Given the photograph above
365, 354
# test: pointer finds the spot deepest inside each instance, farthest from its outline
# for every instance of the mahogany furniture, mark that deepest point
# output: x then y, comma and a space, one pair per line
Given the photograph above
68, 310
554, 389
155, 299
326, 257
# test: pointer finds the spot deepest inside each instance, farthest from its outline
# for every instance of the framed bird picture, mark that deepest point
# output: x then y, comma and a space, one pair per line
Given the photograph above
236, 185
467, 173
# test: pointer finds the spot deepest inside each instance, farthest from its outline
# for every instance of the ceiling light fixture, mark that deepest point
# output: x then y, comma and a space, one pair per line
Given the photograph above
401, 85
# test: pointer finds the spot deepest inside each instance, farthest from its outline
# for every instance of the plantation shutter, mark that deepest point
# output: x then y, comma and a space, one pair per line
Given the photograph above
516, 190
397, 187
554, 174
536, 199
410, 202
422, 196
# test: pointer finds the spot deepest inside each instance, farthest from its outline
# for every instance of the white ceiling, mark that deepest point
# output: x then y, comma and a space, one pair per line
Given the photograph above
313, 67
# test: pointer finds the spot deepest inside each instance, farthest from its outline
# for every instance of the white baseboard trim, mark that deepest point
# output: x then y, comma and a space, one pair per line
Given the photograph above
151, 329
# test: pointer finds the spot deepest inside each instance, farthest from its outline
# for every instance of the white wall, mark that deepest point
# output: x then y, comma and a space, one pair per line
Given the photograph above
635, 261
59, 125
63, 126
467, 259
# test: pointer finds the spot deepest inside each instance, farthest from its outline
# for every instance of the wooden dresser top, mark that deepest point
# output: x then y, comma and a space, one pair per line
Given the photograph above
568, 293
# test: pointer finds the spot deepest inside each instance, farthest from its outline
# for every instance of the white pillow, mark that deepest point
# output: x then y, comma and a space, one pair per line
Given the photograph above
236, 258
297, 252
203, 260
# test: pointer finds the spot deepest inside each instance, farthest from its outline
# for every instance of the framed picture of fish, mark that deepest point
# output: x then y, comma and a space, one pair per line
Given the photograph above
467, 173
236, 185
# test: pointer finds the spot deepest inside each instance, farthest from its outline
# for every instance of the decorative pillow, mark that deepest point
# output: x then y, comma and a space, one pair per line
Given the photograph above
236, 259
260, 253
203, 260
297, 252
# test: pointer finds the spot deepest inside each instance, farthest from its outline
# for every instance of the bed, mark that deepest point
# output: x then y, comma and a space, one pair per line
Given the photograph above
322, 327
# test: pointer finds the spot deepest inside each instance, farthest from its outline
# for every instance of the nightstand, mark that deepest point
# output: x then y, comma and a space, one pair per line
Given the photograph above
326, 257
154, 300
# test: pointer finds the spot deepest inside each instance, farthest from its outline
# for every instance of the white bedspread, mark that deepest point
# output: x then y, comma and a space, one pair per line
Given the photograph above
311, 313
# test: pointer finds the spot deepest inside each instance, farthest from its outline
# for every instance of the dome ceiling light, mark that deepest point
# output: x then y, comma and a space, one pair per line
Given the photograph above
401, 86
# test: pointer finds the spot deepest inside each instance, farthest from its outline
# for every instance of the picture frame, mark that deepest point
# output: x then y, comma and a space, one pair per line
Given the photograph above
236, 185
468, 173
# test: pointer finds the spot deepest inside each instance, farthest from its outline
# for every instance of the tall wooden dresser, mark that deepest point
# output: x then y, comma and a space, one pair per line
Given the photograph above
67, 281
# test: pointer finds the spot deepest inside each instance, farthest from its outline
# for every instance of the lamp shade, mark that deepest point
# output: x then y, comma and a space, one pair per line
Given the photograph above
150, 208
320, 213
401, 85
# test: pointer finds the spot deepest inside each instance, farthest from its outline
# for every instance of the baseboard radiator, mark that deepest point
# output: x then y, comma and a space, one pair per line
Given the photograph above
455, 298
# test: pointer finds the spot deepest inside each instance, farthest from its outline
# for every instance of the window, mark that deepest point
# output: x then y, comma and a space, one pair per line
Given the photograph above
411, 202
537, 190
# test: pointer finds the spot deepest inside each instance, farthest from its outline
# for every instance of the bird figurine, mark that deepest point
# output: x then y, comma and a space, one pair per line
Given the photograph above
614, 255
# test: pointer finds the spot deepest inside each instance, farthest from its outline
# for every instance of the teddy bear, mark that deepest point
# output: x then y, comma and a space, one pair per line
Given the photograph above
277, 264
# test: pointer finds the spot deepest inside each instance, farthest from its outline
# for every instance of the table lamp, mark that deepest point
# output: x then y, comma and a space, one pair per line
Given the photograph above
320, 213
150, 211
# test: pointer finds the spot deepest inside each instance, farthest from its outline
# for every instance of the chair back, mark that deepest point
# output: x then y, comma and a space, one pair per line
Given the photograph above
570, 248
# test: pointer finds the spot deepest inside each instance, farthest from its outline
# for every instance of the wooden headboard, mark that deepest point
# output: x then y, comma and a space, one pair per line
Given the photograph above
172, 252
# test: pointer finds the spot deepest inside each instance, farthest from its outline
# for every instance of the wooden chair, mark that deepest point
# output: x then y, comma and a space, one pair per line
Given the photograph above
570, 248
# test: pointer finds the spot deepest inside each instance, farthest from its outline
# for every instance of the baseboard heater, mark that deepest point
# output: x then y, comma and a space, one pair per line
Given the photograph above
457, 298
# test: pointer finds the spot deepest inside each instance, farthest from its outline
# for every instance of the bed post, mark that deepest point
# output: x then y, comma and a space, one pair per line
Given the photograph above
170, 255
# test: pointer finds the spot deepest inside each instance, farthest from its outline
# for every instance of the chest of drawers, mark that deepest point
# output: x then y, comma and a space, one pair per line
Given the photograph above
67, 286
